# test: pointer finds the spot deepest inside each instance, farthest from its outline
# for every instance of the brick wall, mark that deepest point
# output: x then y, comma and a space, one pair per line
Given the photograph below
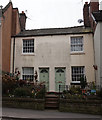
10, 26
87, 14
6, 39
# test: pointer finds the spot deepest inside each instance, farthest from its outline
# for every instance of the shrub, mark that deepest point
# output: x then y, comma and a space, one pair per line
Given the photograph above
83, 82
75, 90
22, 92
99, 93
41, 93
8, 85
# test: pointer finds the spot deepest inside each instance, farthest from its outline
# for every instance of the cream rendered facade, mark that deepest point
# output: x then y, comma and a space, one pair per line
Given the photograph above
53, 51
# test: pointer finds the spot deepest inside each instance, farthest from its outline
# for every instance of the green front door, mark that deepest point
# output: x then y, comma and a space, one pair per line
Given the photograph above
44, 77
59, 78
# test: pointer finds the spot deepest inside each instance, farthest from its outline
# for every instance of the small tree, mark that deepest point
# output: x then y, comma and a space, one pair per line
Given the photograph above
83, 82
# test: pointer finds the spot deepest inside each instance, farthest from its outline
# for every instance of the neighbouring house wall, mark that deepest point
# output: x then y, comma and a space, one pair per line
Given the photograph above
18, 29
54, 51
97, 52
0, 49
101, 53
15, 22
6, 37
10, 26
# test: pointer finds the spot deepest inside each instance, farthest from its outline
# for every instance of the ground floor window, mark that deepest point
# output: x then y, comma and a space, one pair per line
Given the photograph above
77, 72
28, 73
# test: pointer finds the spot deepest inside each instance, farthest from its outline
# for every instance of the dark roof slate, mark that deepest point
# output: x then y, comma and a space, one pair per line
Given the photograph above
55, 31
98, 15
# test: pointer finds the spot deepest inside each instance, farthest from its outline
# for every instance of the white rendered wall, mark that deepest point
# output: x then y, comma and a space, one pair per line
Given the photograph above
97, 52
54, 51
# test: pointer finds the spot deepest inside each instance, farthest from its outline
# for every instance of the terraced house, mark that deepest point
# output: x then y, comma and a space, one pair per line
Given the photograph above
59, 56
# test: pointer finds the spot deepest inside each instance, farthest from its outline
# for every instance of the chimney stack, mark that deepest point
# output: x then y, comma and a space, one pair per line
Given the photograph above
86, 15
94, 6
88, 9
22, 20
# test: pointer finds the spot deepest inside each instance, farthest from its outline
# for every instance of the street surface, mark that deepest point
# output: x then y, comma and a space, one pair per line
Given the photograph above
28, 114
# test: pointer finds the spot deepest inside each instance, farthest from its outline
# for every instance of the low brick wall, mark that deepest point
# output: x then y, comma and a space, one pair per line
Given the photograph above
30, 103
81, 106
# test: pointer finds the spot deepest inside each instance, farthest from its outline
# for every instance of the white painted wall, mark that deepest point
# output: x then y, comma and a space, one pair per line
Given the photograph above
100, 5
98, 53
101, 53
54, 51
86, 58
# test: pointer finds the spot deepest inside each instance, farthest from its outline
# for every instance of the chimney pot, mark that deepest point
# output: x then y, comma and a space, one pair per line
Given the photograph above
22, 12
86, 2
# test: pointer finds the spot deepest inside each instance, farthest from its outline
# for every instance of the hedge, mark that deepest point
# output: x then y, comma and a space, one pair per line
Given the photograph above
30, 103
81, 106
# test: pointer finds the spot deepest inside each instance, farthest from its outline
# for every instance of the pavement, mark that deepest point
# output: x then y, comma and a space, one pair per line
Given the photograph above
29, 114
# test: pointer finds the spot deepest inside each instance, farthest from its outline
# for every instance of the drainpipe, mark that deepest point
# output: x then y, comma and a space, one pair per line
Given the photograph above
94, 59
13, 55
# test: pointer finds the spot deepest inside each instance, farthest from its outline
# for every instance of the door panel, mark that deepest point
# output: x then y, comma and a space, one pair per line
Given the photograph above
44, 77
59, 78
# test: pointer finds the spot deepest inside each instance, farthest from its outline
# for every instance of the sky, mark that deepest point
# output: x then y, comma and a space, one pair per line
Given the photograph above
50, 13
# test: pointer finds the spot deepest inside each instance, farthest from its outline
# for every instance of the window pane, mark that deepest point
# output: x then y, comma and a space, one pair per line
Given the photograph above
77, 73
28, 46
28, 73
76, 43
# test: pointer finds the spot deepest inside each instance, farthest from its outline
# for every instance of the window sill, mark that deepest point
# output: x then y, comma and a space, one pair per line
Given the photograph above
77, 53
28, 54
75, 83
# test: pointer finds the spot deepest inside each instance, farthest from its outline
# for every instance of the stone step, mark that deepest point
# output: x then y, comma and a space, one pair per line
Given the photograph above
51, 96
51, 100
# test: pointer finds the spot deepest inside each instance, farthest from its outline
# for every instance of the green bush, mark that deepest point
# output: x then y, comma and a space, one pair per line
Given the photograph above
83, 82
8, 86
9, 83
75, 90
26, 103
22, 92
41, 94
99, 93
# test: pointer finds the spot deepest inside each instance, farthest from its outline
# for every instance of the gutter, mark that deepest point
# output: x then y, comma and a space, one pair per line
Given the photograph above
32, 35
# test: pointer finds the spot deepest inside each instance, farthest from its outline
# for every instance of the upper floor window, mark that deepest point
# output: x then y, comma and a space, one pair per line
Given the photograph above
28, 46
76, 44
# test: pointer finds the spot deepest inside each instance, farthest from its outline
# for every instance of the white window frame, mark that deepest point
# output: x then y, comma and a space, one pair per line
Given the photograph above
29, 73
76, 74
28, 47
77, 44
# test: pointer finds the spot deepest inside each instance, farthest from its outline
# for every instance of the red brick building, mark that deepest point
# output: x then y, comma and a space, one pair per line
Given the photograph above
88, 9
10, 26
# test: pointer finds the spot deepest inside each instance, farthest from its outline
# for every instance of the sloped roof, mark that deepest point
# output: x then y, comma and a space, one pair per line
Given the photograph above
6, 7
55, 31
98, 15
